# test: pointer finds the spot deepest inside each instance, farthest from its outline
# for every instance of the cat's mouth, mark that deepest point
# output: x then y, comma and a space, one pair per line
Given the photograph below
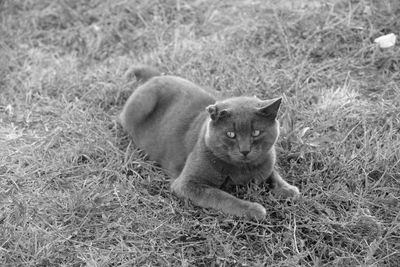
250, 159
245, 159
241, 159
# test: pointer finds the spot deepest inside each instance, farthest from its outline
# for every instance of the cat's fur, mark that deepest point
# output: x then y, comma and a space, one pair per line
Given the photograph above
184, 128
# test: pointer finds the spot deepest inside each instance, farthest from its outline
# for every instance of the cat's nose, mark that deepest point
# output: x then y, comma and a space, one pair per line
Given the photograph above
245, 152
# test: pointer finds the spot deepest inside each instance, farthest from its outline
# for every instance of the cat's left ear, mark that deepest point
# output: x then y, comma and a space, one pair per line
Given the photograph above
271, 110
216, 113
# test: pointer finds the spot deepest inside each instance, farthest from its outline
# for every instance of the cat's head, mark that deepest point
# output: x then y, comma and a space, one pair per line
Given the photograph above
242, 130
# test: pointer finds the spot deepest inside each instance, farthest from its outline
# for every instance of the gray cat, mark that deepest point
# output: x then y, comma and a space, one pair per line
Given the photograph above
202, 143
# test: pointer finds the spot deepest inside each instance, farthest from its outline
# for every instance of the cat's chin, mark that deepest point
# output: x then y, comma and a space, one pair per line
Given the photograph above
242, 160
245, 162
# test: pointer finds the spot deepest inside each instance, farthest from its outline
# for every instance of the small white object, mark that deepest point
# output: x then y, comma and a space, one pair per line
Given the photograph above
96, 27
386, 41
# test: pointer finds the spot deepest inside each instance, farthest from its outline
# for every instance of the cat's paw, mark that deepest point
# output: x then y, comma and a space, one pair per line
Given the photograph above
256, 211
288, 191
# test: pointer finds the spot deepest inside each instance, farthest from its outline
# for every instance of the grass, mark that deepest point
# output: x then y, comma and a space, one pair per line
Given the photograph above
75, 192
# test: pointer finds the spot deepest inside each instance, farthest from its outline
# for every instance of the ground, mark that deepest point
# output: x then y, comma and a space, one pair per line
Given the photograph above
74, 191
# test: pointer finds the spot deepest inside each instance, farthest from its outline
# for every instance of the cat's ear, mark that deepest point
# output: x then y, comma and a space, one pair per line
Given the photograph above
216, 113
271, 110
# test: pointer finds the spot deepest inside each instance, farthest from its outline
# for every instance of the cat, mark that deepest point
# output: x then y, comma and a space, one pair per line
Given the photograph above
203, 143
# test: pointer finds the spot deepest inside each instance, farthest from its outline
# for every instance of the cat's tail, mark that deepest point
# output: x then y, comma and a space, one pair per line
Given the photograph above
142, 73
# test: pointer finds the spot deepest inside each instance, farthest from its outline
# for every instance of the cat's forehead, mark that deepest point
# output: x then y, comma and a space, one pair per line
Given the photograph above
242, 110
241, 103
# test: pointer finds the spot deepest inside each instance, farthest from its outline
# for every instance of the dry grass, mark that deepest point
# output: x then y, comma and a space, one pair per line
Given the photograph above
74, 192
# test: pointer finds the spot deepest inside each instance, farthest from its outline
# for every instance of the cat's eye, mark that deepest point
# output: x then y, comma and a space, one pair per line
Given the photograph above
255, 133
231, 134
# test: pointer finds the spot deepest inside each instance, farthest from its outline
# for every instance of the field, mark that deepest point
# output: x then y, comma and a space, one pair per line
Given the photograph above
74, 191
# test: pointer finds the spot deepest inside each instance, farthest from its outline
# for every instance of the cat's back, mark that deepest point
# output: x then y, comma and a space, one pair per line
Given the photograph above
163, 98
164, 116
170, 85
177, 98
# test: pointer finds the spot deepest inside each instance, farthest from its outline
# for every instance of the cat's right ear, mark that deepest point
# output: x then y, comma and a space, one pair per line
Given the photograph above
271, 110
215, 112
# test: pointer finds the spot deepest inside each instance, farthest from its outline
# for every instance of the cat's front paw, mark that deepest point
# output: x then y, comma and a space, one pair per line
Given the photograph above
288, 191
256, 211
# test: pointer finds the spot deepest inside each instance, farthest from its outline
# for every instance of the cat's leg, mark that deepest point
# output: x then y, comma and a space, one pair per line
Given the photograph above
211, 197
281, 188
